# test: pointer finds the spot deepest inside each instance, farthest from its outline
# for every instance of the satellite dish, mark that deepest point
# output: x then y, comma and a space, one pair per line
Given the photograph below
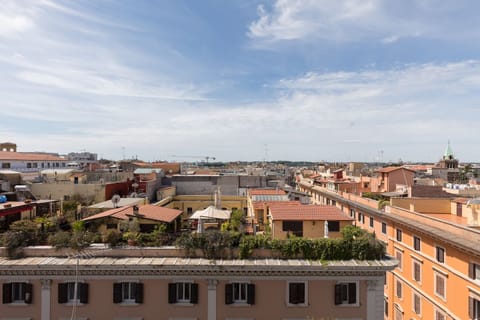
115, 200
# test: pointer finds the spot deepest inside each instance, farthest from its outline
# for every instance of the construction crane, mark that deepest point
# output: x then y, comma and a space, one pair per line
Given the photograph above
195, 157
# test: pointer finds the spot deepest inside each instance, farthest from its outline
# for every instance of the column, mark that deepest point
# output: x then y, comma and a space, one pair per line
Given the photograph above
375, 298
212, 299
45, 299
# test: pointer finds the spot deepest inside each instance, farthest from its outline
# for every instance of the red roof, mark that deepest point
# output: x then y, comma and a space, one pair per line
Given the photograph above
308, 212
23, 156
256, 192
390, 169
149, 212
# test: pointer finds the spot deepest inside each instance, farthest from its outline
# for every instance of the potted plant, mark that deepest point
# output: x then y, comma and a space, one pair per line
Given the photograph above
131, 237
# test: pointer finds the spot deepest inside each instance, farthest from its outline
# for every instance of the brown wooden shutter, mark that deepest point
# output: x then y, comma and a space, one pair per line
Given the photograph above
352, 292
229, 293
292, 293
62, 292
138, 292
470, 308
338, 294
250, 293
28, 293
172, 293
301, 293
83, 288
7, 293
194, 293
117, 293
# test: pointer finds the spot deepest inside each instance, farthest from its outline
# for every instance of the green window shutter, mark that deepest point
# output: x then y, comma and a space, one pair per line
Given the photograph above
229, 293
83, 288
138, 292
194, 297
338, 294
117, 293
62, 293
7, 293
251, 293
172, 293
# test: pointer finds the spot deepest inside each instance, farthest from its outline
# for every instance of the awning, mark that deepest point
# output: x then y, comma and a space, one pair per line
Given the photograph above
211, 213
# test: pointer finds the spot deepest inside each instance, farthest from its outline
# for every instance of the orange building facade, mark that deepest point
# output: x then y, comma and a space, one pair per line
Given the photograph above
438, 276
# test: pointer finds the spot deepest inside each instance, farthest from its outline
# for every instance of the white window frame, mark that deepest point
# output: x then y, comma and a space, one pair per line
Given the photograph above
419, 263
444, 277
130, 297
399, 257
184, 284
345, 303
18, 287
70, 294
444, 254
236, 291
437, 313
287, 298
416, 295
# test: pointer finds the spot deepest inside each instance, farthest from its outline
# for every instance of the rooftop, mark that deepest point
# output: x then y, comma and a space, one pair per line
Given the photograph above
23, 156
308, 212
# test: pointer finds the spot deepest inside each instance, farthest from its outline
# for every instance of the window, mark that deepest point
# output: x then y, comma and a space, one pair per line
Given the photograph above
296, 227
398, 313
399, 235
297, 293
183, 292
399, 257
417, 271
66, 292
17, 292
474, 271
359, 216
189, 210
398, 291
440, 254
385, 307
440, 315
417, 303
5, 165
333, 226
346, 293
473, 308
384, 228
128, 292
352, 213
440, 285
29, 165
240, 292
416, 243
35, 165
371, 222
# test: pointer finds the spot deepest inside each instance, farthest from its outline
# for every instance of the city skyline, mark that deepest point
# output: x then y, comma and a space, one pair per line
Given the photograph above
243, 80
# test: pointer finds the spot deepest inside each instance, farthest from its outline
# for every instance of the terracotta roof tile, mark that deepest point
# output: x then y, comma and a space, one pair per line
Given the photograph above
148, 211
265, 191
23, 156
308, 212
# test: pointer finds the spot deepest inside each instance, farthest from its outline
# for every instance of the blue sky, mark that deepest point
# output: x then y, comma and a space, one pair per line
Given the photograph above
242, 80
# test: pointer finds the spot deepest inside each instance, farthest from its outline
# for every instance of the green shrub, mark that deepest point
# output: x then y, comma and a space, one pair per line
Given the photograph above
112, 236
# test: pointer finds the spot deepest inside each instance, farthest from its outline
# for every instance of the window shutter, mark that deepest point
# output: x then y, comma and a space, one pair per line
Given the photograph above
172, 293
62, 292
250, 293
338, 294
470, 308
28, 293
352, 292
194, 297
7, 293
138, 292
117, 293
301, 293
229, 293
83, 287
292, 293
471, 270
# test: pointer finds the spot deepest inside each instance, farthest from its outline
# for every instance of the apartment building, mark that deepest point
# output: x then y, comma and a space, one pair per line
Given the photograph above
436, 244
154, 284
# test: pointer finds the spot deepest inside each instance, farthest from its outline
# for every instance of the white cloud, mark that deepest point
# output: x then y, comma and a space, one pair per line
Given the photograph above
350, 21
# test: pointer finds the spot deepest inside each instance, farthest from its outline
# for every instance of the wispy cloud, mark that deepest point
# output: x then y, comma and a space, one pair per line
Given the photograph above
353, 21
